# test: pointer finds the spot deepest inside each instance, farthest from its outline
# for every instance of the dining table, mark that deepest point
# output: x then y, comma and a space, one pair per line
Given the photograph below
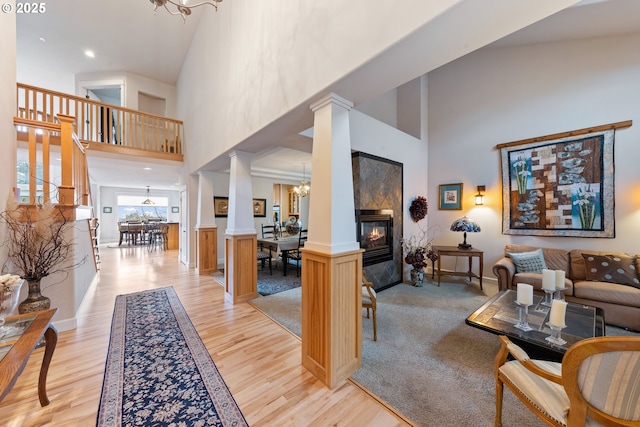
282, 245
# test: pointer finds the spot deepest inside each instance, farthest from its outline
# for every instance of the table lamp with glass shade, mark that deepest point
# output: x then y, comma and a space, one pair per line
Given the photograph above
465, 225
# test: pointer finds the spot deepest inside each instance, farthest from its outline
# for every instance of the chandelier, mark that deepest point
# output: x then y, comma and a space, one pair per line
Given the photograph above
305, 186
182, 8
148, 200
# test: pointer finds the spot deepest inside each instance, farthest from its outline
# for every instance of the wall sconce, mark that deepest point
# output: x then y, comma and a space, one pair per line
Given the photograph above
479, 196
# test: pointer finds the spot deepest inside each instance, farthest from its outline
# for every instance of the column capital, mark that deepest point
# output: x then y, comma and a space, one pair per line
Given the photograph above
331, 98
238, 153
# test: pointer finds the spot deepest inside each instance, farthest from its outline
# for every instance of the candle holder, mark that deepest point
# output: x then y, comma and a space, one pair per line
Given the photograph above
523, 317
548, 297
559, 294
555, 337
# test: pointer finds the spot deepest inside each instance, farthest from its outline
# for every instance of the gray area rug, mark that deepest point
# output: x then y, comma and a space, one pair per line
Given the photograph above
427, 363
269, 284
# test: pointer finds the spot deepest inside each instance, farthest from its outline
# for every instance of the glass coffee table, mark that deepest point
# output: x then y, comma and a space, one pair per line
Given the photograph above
500, 314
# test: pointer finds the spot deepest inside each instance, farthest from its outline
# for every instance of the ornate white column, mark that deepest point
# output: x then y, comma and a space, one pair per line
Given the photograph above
241, 274
332, 258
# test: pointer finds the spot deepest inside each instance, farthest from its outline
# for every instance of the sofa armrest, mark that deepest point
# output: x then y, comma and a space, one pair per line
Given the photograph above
504, 269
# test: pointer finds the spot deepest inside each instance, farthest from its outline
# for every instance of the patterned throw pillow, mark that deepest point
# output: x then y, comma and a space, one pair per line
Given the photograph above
611, 268
528, 262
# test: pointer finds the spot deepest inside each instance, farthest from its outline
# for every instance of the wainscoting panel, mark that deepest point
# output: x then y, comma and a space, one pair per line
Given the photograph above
332, 315
241, 272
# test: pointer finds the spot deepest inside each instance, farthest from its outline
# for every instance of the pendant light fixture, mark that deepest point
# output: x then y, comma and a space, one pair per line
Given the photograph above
148, 200
181, 6
304, 188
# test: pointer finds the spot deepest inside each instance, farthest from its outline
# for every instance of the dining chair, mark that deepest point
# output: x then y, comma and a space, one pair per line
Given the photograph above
268, 231
369, 298
597, 383
264, 255
296, 254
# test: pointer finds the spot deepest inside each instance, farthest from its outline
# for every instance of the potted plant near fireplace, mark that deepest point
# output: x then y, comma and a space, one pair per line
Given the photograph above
417, 249
38, 245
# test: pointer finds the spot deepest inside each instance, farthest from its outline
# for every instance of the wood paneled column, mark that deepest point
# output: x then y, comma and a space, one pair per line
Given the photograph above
206, 250
240, 263
332, 258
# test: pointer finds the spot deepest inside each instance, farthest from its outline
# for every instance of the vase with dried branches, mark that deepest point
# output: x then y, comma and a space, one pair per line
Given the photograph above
38, 245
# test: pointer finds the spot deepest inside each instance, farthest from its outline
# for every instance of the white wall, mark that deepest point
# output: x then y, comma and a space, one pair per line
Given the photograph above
501, 95
7, 111
131, 84
234, 83
379, 139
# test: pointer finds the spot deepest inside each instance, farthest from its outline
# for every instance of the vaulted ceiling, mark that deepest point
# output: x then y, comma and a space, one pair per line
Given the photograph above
118, 31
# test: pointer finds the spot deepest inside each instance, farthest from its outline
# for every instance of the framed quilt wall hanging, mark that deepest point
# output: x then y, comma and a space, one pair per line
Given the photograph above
560, 185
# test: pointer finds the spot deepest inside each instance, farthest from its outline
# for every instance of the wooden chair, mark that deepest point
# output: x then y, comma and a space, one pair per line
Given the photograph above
296, 255
369, 302
598, 381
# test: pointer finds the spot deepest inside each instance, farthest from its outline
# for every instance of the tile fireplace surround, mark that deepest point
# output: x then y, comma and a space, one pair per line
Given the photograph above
377, 184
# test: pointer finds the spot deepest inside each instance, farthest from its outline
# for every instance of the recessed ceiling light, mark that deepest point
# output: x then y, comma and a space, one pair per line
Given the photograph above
90, 53
42, 39
147, 169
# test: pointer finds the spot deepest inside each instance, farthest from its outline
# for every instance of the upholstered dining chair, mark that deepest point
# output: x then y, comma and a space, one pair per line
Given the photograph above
369, 302
597, 383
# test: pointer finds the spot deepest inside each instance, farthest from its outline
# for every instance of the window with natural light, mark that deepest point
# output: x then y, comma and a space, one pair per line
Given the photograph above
132, 208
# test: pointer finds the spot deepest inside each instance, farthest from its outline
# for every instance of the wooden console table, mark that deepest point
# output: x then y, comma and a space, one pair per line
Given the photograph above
456, 251
16, 348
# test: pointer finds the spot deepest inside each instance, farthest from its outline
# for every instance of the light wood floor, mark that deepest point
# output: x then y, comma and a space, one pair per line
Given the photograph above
259, 360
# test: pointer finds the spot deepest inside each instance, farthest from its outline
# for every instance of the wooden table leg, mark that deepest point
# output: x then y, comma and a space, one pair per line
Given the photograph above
470, 265
439, 258
51, 339
481, 263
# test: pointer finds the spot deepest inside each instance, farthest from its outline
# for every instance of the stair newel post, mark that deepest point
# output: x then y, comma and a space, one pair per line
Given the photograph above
66, 190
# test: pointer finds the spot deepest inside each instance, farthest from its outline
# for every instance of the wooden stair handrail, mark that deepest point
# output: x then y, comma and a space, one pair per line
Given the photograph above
74, 187
103, 123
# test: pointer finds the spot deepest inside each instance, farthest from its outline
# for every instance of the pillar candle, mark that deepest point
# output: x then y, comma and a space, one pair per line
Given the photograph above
558, 311
548, 280
525, 294
559, 279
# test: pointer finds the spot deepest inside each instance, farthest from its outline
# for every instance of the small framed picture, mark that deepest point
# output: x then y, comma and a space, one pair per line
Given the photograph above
106, 209
450, 196
259, 207
220, 206
175, 209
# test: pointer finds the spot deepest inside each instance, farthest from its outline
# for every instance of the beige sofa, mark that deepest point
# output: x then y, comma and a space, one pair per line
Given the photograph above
621, 303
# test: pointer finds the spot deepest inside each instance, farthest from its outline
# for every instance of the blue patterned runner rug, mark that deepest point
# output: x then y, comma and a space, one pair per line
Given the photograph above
158, 371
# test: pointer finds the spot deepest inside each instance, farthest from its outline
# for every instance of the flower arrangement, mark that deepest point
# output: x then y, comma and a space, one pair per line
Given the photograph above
417, 249
417, 252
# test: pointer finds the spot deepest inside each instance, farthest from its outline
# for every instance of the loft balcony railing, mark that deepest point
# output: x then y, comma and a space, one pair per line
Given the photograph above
55, 173
104, 127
